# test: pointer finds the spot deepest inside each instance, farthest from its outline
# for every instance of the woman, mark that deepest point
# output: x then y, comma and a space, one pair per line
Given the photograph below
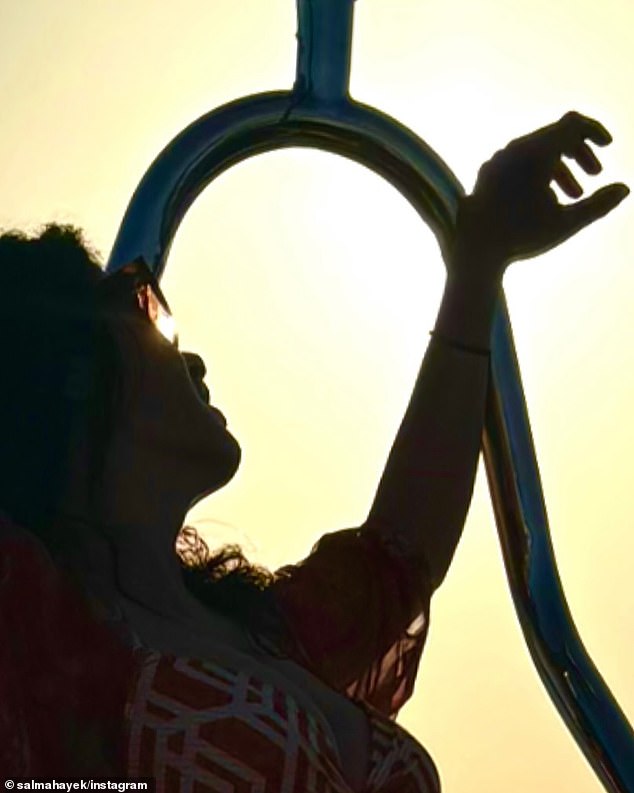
227, 676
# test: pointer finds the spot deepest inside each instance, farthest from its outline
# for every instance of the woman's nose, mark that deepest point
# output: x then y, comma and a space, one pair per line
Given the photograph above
197, 370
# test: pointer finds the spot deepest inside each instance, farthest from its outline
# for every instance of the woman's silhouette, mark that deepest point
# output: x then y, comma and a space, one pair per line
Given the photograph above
119, 656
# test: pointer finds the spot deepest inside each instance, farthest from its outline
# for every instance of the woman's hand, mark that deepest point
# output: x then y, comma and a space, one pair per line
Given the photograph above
514, 214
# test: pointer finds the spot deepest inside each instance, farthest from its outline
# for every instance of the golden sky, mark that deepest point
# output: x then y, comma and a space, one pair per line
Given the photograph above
309, 286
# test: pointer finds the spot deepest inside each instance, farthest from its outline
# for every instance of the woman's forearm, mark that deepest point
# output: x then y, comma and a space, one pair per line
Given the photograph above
425, 490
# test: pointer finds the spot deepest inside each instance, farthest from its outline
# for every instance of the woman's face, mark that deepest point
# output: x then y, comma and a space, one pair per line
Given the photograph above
167, 425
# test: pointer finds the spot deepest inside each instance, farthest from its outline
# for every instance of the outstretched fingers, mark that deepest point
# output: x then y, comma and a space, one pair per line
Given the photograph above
569, 135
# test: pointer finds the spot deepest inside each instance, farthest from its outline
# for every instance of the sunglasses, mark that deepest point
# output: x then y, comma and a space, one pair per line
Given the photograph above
138, 281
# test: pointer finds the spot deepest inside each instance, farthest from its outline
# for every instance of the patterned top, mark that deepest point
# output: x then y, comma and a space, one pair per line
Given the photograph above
200, 725
207, 725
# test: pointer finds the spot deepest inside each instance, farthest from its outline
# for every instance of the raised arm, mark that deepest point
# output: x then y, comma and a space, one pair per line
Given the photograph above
425, 490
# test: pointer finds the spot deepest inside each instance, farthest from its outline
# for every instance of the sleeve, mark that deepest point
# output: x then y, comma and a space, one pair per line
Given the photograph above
358, 612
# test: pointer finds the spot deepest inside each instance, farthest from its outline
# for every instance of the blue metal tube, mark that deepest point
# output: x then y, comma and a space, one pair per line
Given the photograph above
324, 43
575, 686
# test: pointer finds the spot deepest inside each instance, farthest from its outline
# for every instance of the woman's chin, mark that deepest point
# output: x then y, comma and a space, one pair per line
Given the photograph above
220, 468
232, 459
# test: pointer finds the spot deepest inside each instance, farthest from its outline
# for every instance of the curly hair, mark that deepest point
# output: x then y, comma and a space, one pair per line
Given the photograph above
56, 363
227, 582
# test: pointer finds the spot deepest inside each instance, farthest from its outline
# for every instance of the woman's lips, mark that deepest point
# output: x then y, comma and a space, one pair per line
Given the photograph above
201, 390
203, 393
220, 416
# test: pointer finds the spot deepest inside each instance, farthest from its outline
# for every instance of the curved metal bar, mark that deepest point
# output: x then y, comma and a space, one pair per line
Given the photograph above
319, 113
265, 122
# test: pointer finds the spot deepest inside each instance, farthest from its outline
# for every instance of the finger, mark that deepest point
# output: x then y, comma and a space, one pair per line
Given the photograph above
587, 159
578, 126
577, 216
564, 178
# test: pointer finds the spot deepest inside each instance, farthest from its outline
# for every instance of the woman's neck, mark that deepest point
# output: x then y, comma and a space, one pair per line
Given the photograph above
121, 562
